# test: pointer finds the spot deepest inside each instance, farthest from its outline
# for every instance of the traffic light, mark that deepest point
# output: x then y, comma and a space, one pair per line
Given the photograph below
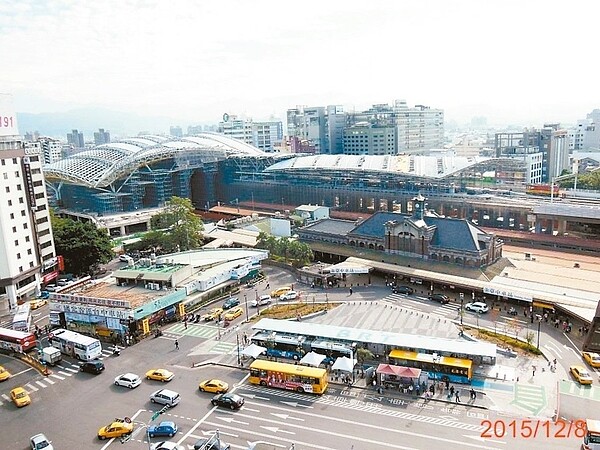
158, 413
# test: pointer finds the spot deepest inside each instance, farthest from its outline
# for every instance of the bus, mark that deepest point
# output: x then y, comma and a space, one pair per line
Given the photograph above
22, 318
591, 438
332, 350
288, 376
18, 341
456, 370
281, 345
80, 346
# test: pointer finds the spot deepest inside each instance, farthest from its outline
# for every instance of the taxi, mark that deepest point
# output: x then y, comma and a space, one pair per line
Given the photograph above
214, 386
4, 374
280, 291
233, 313
213, 314
593, 359
38, 303
118, 428
160, 375
20, 397
581, 375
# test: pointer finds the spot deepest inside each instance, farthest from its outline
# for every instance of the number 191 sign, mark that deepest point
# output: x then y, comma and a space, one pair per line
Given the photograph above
8, 117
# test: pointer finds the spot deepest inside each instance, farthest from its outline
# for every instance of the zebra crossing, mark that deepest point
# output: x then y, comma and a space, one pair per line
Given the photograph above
193, 329
223, 348
447, 310
531, 398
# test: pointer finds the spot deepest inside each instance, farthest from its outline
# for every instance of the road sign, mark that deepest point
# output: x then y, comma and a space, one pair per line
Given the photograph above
155, 415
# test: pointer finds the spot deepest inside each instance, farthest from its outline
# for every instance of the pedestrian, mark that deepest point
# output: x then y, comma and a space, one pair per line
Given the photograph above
457, 396
452, 390
473, 394
554, 362
533, 369
268, 286
185, 324
350, 291
549, 363
176, 344
447, 383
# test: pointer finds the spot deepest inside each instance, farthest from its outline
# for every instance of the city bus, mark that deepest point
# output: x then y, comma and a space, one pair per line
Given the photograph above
591, 438
22, 318
456, 370
18, 341
288, 376
332, 350
281, 345
80, 346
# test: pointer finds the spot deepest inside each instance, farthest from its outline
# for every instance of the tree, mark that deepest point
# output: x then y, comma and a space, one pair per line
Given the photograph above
82, 245
181, 226
363, 354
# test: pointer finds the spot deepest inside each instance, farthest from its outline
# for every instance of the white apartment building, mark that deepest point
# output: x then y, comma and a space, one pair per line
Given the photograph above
263, 135
51, 150
26, 241
418, 128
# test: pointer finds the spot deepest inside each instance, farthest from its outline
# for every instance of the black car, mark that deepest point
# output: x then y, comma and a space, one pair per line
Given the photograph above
94, 367
232, 401
213, 445
230, 303
407, 290
443, 299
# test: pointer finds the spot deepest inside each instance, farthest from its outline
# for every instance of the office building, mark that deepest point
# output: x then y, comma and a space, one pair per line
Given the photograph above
101, 137
262, 135
367, 139
75, 138
27, 256
176, 131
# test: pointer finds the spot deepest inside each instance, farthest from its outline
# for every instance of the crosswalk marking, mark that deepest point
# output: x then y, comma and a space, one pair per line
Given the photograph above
200, 331
31, 388
49, 381
66, 374
6, 397
58, 377
223, 348
39, 383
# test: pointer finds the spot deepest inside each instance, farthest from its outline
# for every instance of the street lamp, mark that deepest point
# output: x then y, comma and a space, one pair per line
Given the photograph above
436, 359
246, 303
237, 340
539, 318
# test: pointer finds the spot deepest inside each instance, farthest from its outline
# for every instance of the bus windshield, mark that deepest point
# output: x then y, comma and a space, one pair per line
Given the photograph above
591, 440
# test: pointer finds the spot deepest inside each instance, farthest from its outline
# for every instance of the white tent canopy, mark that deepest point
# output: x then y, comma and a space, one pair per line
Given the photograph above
253, 351
312, 359
344, 364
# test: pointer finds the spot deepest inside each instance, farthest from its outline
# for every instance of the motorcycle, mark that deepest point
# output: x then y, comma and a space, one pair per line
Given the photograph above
512, 311
116, 351
158, 333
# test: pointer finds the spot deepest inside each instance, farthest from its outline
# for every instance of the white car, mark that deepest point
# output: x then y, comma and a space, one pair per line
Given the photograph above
125, 258
40, 442
263, 300
478, 307
129, 380
292, 295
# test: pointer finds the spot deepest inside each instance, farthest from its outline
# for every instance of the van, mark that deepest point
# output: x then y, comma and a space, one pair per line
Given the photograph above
280, 291
165, 397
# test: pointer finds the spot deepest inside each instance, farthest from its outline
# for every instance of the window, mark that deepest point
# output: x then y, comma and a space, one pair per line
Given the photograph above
29, 251
14, 160
34, 158
40, 195
19, 187
7, 189
27, 239
5, 176
14, 229
20, 268
46, 244
17, 173
37, 183
44, 233
25, 226
30, 263
18, 256
21, 200
42, 220
16, 242
12, 215
10, 203
3, 162
23, 213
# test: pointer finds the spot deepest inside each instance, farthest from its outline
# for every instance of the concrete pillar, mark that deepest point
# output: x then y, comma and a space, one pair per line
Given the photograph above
11, 293
122, 230
562, 226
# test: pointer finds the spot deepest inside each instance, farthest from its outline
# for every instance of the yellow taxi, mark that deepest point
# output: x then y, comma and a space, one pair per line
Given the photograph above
593, 359
118, 428
213, 314
20, 397
4, 374
280, 291
233, 313
160, 375
581, 374
215, 386
38, 303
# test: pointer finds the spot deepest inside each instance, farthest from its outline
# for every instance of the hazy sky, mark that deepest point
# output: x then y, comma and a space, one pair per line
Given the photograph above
512, 61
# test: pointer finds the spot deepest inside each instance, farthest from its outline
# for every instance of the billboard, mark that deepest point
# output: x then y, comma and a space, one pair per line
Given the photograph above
8, 116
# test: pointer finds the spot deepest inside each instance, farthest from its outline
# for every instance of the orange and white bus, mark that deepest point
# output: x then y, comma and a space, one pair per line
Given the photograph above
288, 376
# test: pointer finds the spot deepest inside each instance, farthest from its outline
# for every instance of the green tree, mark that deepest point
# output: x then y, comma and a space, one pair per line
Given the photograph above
181, 226
82, 245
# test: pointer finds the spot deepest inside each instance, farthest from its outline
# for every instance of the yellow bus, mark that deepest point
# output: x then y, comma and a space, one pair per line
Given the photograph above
457, 370
288, 376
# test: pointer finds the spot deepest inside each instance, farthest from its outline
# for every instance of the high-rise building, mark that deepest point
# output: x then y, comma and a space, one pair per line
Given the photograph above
586, 134
101, 137
75, 138
176, 131
366, 139
263, 135
25, 231
194, 129
308, 124
51, 150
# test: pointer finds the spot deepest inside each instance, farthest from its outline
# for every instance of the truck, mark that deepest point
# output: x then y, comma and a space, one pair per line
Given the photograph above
51, 356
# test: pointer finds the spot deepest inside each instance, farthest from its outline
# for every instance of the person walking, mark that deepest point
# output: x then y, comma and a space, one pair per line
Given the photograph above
176, 344
457, 396
533, 369
452, 390
473, 394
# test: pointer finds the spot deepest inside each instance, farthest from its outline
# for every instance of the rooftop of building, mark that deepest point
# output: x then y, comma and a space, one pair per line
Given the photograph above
135, 295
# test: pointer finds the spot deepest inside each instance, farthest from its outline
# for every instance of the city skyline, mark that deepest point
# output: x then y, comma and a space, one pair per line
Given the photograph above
514, 63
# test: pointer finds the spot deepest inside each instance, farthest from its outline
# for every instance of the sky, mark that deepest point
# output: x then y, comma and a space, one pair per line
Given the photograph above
523, 61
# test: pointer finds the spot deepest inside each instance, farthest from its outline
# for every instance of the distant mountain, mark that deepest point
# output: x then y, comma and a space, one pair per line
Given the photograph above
88, 120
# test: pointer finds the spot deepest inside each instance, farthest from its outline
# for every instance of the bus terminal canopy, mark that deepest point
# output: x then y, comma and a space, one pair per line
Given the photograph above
312, 359
399, 371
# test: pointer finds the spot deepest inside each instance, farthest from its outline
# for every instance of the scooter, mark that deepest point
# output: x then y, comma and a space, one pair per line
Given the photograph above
158, 333
116, 351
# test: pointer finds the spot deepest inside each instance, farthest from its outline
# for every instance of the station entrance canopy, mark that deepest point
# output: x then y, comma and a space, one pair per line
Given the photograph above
349, 267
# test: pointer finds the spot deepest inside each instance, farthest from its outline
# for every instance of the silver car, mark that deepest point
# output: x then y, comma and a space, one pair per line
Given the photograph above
40, 442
